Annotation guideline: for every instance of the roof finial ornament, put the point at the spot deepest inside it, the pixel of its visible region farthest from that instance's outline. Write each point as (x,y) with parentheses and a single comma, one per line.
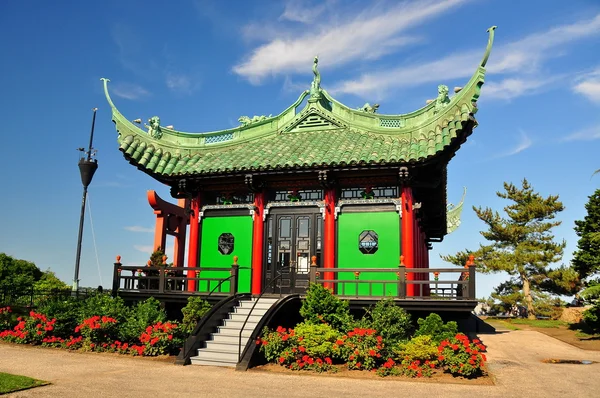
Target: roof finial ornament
(488,49)
(315,87)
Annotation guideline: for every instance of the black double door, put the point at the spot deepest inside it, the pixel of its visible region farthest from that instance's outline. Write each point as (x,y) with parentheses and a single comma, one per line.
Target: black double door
(292,240)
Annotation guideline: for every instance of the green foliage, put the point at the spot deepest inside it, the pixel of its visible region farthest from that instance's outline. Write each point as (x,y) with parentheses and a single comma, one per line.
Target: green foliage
(563,280)
(592,292)
(586,259)
(17,275)
(434,327)
(507,295)
(65,310)
(547,306)
(11,383)
(521,243)
(462,357)
(321,305)
(192,313)
(393,323)
(317,339)
(156,258)
(591,317)
(362,349)
(420,348)
(48,282)
(104,304)
(144,313)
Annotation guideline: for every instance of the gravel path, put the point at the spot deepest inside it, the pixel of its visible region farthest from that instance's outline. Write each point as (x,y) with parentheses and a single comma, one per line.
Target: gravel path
(514,360)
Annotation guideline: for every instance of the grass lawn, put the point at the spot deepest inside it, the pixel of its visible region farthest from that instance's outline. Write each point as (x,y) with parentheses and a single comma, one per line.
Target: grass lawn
(538,323)
(12,383)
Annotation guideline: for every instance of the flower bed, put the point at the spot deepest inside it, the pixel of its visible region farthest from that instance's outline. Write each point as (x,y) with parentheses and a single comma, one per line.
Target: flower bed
(382,342)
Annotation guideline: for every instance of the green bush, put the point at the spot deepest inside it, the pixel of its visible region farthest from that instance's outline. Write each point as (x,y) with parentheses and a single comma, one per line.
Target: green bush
(420,348)
(66,312)
(194,310)
(104,305)
(591,317)
(143,314)
(390,321)
(436,328)
(318,340)
(321,306)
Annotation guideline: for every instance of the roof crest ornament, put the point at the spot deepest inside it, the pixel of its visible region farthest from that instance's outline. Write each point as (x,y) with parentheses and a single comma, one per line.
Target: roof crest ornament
(488,49)
(154,129)
(315,87)
(368,108)
(246,120)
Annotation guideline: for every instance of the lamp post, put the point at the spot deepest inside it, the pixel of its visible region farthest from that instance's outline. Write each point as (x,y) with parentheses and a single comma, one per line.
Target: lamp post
(87,168)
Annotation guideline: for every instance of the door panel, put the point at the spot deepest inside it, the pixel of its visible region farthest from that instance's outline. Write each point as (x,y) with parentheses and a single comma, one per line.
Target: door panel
(292,239)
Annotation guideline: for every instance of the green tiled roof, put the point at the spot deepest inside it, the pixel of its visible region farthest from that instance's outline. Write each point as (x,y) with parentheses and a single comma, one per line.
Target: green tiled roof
(324,134)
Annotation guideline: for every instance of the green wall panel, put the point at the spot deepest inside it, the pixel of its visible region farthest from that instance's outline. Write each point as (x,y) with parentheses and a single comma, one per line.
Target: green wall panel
(241,229)
(387,227)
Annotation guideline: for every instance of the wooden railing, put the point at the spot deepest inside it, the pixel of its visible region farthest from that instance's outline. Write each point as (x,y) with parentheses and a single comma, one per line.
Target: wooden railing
(381,282)
(164,279)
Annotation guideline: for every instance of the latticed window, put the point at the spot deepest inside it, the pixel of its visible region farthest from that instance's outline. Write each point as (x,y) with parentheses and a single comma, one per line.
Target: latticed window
(366,193)
(226,241)
(299,195)
(368,242)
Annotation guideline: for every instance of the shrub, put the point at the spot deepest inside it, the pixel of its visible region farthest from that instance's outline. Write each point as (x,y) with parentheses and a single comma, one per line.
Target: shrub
(436,328)
(591,317)
(148,312)
(461,357)
(5,318)
(419,348)
(29,330)
(66,312)
(97,330)
(321,306)
(361,349)
(158,339)
(104,305)
(390,321)
(194,310)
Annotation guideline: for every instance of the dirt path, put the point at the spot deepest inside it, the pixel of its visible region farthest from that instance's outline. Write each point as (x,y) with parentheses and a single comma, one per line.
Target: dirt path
(514,359)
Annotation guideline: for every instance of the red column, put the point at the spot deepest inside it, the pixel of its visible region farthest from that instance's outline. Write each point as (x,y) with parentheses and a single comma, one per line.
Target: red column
(160,235)
(179,247)
(408,237)
(193,245)
(329,235)
(258,243)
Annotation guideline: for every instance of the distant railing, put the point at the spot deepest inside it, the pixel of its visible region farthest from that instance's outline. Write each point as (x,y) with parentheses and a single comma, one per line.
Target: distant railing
(424,283)
(165,279)
(32,297)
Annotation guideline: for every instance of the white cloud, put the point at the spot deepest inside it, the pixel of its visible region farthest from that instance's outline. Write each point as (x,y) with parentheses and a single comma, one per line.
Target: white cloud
(144,248)
(519,59)
(303,12)
(588,134)
(524,143)
(137,228)
(129,91)
(589,86)
(342,42)
(179,83)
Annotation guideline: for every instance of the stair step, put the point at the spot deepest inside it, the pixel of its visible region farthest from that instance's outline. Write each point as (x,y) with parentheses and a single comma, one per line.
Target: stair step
(224,331)
(209,362)
(225,347)
(253,318)
(238,324)
(246,310)
(221,338)
(259,305)
(210,355)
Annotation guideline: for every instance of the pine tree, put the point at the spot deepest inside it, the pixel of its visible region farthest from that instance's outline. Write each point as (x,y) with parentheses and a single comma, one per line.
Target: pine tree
(521,242)
(586,259)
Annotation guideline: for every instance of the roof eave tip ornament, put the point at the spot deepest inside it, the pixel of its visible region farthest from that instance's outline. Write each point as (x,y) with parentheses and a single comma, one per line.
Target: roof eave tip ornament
(105,80)
(488,49)
(315,87)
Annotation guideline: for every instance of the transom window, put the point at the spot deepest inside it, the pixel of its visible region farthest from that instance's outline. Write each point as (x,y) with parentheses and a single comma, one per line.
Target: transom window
(299,195)
(369,193)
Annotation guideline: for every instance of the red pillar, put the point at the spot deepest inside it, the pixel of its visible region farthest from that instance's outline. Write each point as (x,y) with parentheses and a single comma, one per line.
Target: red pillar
(258,243)
(329,235)
(408,237)
(179,247)
(193,245)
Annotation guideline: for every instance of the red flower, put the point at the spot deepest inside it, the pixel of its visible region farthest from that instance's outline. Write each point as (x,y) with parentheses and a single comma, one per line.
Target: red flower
(372,353)
(285,337)
(281,360)
(339,342)
(328,360)
(441,358)
(301,349)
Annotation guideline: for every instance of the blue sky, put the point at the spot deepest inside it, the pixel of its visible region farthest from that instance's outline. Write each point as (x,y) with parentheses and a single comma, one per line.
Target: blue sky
(200,65)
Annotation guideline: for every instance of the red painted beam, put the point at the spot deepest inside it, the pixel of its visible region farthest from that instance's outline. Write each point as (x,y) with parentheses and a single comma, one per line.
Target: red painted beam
(329,235)
(258,243)
(193,260)
(408,237)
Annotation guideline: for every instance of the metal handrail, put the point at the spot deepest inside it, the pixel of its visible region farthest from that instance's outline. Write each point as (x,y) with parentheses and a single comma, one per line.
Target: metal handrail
(218,284)
(278,276)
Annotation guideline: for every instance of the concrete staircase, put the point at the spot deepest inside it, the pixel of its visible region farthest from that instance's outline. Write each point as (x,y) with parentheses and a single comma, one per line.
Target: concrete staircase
(223,347)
